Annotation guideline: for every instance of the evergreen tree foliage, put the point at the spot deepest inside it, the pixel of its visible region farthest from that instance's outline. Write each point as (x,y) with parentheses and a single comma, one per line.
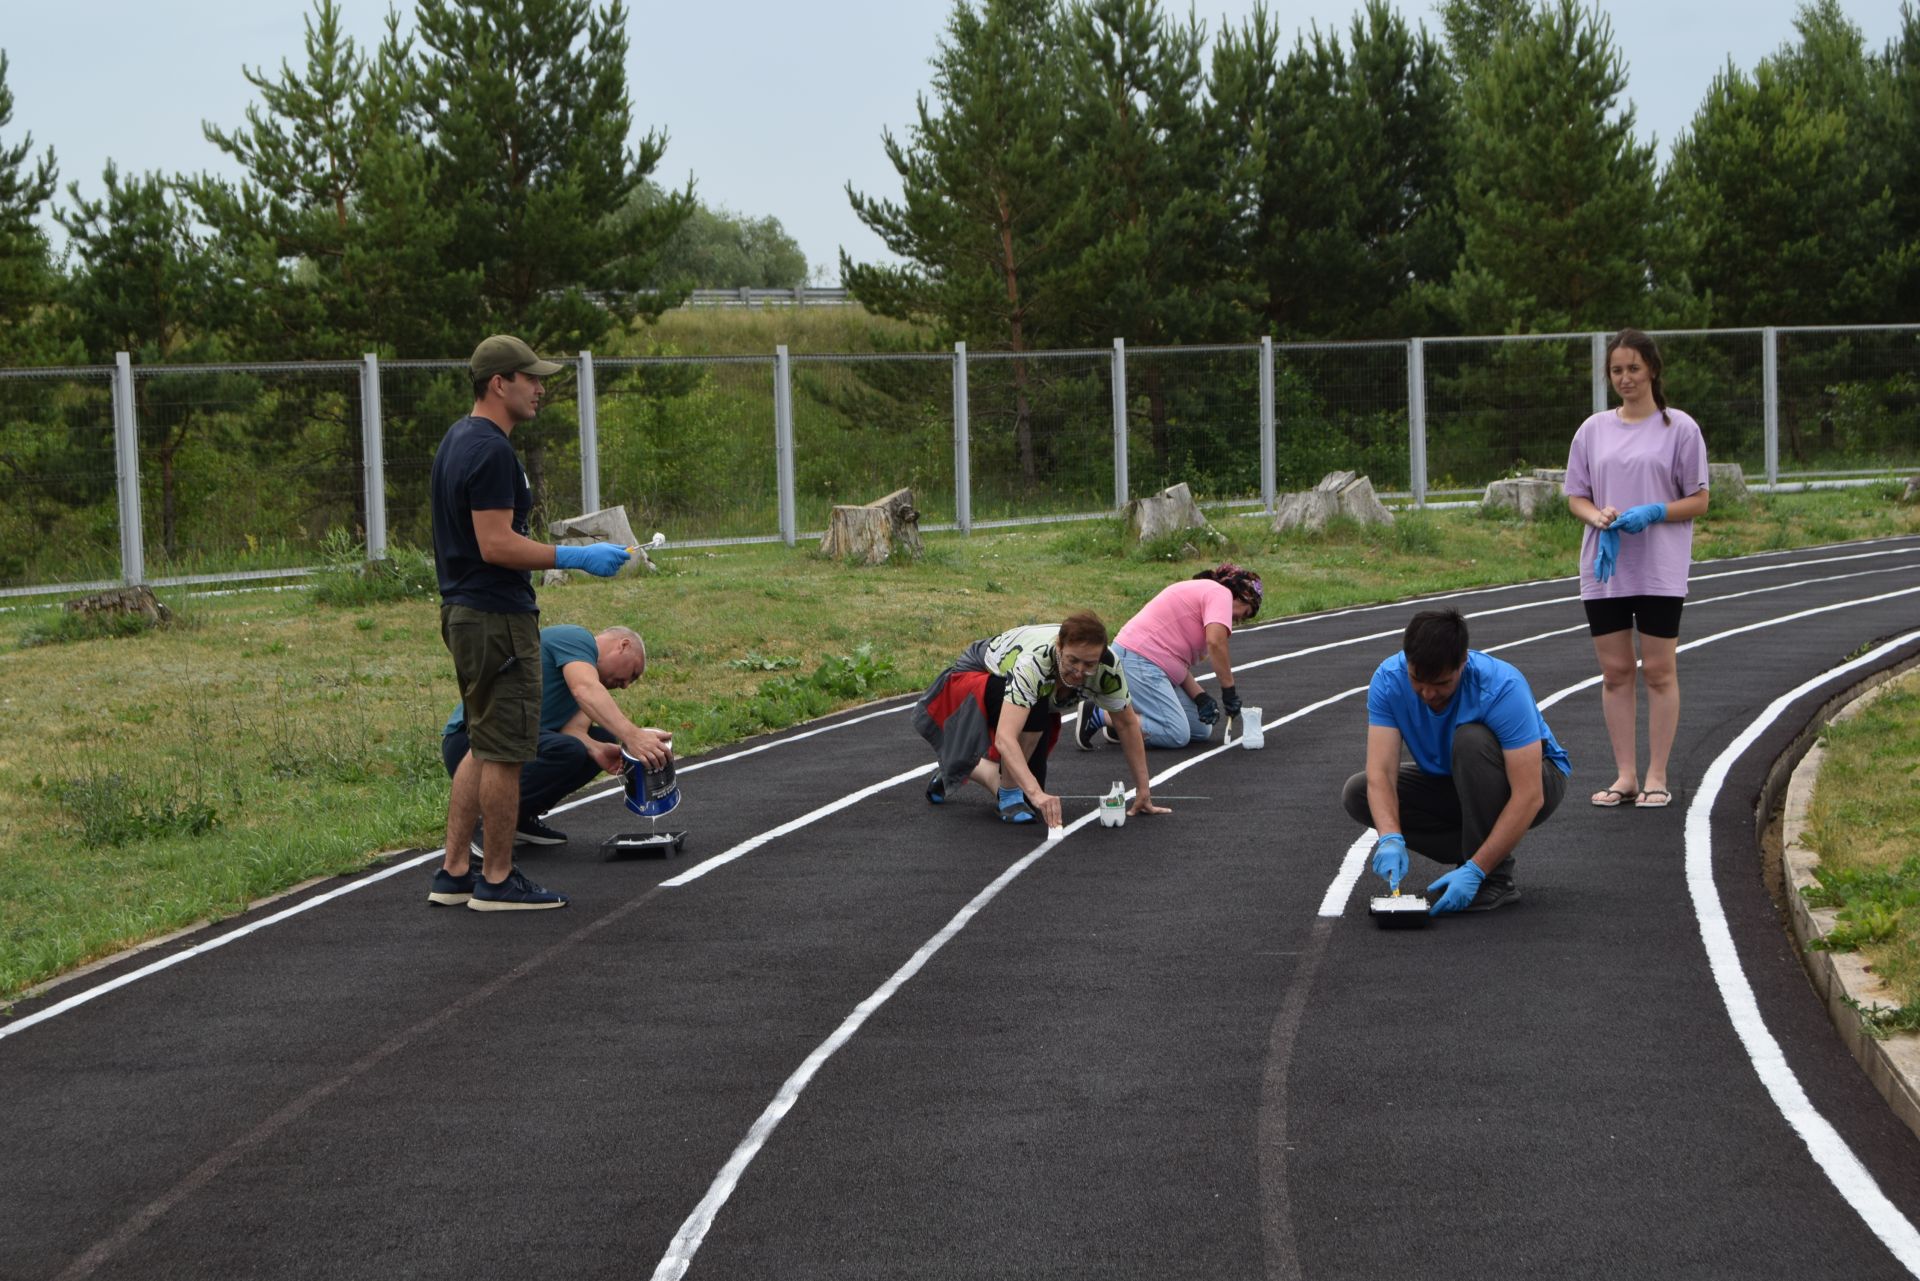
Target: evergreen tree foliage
(1475,28)
(26,274)
(333,226)
(1349,207)
(1555,195)
(1784,186)
(524,108)
(716,248)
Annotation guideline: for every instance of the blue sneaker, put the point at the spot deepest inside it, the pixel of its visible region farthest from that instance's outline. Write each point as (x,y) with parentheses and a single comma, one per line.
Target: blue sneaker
(449,890)
(1091,719)
(515,894)
(937,790)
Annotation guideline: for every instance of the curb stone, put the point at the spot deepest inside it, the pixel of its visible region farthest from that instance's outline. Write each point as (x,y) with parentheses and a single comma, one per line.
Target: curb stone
(1893,1065)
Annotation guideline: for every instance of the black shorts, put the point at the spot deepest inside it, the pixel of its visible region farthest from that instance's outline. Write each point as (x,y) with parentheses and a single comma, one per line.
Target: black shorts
(1655,615)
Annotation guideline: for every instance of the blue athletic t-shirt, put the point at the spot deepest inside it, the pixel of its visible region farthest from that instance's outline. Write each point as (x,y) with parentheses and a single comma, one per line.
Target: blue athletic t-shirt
(1491,693)
(475,469)
(560,644)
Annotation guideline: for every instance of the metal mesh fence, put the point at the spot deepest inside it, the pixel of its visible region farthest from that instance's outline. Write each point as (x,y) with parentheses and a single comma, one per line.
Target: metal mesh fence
(866,426)
(60,522)
(1340,406)
(687,445)
(1849,399)
(1041,429)
(1193,415)
(1717,379)
(1499,407)
(247,467)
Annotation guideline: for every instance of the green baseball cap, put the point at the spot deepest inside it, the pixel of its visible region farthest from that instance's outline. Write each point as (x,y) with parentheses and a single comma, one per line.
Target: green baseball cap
(505,354)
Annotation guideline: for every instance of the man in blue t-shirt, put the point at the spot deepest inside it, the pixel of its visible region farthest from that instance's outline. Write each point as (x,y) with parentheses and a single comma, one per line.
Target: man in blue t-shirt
(1485,766)
(582,730)
(489,621)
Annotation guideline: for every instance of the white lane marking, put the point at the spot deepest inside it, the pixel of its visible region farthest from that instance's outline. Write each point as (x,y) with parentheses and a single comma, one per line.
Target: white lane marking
(1342,877)
(686,1242)
(1835,1158)
(753,843)
(1352,863)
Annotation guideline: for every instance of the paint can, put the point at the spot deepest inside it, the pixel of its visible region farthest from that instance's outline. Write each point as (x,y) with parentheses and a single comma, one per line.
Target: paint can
(651,793)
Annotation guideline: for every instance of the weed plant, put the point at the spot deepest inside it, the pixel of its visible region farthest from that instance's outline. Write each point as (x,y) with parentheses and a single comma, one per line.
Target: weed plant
(181,777)
(347,579)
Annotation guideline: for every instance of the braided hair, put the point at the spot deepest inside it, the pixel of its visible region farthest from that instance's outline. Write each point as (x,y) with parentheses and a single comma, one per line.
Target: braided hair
(1640,342)
(1243,583)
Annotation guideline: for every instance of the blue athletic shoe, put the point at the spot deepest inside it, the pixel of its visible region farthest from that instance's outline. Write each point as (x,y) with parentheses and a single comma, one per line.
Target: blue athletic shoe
(515,894)
(937,790)
(1091,719)
(449,890)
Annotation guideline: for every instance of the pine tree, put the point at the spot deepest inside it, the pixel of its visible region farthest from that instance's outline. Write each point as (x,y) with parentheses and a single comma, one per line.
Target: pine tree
(987,214)
(524,107)
(26,275)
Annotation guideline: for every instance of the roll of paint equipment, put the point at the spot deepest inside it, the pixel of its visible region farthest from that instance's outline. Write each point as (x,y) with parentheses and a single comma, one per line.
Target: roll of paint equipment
(651,793)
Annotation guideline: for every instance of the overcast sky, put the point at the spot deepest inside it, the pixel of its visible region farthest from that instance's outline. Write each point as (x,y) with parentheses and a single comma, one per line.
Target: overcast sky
(772,106)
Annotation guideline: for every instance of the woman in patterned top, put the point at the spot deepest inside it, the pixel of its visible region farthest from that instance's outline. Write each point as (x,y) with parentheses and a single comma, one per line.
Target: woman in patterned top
(994,716)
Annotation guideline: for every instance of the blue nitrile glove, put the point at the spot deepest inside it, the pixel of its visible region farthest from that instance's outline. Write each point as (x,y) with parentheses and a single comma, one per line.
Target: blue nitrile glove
(1606,550)
(1390,858)
(603,560)
(1230,699)
(1635,519)
(1208,710)
(1461,884)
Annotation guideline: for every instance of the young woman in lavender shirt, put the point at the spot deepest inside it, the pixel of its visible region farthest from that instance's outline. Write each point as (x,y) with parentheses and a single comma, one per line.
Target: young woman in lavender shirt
(1637,476)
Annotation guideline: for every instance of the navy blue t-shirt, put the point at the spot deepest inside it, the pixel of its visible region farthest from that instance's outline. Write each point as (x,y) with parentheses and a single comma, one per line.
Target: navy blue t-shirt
(475,469)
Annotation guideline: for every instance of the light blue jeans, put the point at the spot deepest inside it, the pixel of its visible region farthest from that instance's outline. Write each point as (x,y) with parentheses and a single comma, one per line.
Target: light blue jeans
(1168,717)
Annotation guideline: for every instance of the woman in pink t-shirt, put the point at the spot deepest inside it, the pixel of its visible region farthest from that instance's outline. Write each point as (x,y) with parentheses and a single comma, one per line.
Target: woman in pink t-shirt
(1159,646)
(1637,476)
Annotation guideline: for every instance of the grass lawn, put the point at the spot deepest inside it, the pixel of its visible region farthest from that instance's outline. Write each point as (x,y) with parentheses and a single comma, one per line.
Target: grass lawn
(172,776)
(1865,825)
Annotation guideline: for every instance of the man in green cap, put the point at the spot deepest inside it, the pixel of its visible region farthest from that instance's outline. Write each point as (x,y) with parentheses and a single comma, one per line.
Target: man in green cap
(489,621)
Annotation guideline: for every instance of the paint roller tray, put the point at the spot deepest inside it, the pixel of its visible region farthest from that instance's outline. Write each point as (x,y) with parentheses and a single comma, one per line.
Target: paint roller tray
(643,844)
(1398,911)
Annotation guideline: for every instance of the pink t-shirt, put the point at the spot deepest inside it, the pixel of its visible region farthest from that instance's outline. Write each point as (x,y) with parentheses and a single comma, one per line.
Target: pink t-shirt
(1170,631)
(1615,463)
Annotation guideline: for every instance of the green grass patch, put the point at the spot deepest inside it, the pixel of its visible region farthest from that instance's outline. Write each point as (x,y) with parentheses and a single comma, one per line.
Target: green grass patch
(1864,822)
(177,779)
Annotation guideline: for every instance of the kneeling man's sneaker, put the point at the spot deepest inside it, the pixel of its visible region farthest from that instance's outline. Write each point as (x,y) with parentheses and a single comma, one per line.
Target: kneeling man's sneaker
(1091,719)
(450,890)
(515,894)
(1493,894)
(531,831)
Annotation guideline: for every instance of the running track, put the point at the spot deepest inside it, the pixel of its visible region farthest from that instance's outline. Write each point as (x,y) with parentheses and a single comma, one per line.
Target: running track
(848,1035)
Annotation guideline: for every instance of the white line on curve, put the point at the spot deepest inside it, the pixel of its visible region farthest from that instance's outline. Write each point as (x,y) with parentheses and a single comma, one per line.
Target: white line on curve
(1828,1149)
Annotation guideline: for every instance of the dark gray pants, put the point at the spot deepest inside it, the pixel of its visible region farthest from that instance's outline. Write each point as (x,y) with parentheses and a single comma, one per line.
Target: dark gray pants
(1447,817)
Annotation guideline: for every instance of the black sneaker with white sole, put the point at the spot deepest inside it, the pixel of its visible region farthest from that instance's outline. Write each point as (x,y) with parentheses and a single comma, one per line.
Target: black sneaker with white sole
(515,894)
(1493,894)
(531,831)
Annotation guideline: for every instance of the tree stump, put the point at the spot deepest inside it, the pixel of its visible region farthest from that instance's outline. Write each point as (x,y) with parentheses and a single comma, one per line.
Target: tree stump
(137,599)
(1728,481)
(1171,509)
(1529,496)
(1912,491)
(872,533)
(1339,493)
(608,525)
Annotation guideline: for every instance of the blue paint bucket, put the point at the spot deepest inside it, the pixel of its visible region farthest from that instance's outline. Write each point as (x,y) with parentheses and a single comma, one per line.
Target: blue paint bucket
(651,793)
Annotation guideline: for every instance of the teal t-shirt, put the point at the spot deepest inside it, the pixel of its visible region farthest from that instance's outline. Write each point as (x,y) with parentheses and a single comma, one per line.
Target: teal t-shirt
(1491,693)
(560,644)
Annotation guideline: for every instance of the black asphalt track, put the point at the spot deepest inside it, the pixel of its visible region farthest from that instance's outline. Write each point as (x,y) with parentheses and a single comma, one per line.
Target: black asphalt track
(1145,1054)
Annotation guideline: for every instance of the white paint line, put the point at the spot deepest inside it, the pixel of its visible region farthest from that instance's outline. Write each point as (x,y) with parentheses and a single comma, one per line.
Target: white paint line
(1837,1160)
(686,1242)
(753,843)
(1352,863)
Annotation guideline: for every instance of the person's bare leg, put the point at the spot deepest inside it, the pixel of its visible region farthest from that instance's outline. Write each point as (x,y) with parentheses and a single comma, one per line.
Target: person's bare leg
(1029,739)
(1661,669)
(500,811)
(463,811)
(1615,652)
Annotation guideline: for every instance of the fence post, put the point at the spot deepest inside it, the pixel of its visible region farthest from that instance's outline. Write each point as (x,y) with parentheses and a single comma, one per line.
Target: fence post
(1599,373)
(962,459)
(1417,420)
(1770,390)
(783,441)
(126,453)
(589,436)
(1268,446)
(1120,490)
(373,474)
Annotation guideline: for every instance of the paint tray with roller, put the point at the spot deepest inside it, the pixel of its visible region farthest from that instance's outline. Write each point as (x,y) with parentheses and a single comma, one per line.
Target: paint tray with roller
(1397,911)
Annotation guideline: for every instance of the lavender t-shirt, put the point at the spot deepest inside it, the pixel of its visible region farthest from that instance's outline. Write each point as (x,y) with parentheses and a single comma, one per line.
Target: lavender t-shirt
(1615,463)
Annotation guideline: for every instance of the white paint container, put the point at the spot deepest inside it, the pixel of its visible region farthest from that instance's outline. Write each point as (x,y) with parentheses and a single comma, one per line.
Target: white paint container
(1113,807)
(1253,735)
